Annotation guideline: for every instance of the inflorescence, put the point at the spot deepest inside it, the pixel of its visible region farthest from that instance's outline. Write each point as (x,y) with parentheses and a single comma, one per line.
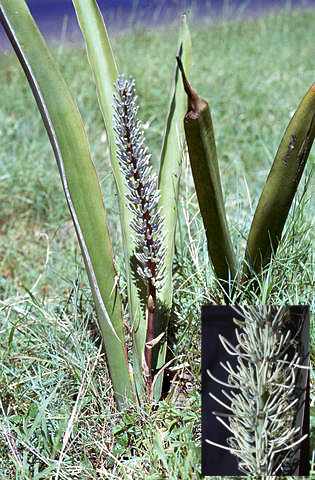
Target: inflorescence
(143,193)
(262,411)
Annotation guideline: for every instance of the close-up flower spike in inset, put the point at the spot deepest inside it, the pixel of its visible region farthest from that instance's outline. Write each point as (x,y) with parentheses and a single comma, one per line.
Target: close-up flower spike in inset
(143,197)
(263,410)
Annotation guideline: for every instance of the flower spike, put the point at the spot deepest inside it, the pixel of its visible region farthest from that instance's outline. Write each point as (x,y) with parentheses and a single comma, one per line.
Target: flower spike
(264,408)
(143,194)
(143,197)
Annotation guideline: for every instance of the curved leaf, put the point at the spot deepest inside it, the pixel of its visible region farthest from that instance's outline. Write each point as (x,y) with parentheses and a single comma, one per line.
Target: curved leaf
(169,178)
(68,139)
(205,169)
(105,73)
(281,185)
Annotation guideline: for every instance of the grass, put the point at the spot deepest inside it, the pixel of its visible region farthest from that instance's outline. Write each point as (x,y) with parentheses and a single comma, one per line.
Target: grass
(58,415)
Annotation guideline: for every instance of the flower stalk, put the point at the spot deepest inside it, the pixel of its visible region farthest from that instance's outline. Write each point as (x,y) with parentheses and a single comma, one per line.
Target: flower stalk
(143,198)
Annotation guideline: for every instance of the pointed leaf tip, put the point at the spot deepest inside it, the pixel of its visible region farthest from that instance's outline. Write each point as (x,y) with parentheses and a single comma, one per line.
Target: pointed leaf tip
(196,104)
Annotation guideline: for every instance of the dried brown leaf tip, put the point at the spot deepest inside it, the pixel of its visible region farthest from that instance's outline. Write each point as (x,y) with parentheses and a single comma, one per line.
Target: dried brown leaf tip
(196,104)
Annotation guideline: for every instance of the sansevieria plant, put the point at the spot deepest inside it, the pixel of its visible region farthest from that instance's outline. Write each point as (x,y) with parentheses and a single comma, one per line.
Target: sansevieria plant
(147,205)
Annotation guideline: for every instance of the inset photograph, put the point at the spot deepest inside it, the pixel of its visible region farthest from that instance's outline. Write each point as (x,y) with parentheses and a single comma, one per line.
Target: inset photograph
(255,390)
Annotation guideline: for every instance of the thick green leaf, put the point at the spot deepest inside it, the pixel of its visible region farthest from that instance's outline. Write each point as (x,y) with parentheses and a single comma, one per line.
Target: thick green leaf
(281,185)
(105,73)
(205,169)
(169,177)
(67,136)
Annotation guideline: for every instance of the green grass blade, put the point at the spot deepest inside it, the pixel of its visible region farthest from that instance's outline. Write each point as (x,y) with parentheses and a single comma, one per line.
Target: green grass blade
(281,185)
(205,169)
(67,136)
(105,73)
(169,176)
